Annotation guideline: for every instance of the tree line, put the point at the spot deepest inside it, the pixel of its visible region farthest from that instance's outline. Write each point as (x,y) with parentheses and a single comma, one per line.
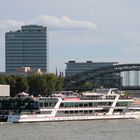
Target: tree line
(34,84)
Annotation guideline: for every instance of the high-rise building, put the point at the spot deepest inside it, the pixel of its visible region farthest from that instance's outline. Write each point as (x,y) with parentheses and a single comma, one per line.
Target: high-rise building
(26,48)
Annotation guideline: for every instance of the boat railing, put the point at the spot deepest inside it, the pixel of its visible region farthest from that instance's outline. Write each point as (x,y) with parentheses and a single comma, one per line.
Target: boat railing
(104,97)
(15,98)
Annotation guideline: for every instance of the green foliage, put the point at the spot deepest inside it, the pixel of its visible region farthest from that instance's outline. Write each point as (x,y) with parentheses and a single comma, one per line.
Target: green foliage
(51,82)
(59,84)
(35,84)
(126,93)
(44,84)
(11,80)
(88,84)
(21,85)
(3,79)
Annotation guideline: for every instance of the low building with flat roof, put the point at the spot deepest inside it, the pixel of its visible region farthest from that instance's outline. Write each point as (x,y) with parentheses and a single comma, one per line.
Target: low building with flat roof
(4,90)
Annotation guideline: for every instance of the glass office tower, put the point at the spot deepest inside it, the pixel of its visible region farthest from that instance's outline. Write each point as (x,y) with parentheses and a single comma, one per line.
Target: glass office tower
(26,48)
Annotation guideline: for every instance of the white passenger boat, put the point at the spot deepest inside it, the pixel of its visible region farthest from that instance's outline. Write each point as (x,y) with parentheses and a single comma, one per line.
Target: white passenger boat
(86,106)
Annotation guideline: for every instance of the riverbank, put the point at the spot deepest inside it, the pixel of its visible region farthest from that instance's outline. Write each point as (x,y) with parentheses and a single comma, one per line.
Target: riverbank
(136,101)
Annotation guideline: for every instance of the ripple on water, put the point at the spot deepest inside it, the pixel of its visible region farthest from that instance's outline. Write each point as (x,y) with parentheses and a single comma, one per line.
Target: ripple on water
(76,130)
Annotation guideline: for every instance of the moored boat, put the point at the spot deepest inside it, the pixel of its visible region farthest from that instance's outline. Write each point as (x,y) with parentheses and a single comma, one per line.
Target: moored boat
(71,107)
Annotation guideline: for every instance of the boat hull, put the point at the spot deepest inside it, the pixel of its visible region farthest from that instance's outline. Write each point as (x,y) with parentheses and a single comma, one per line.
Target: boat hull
(44,118)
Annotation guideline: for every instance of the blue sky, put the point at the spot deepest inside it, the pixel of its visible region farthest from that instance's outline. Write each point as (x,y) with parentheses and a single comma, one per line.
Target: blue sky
(81,30)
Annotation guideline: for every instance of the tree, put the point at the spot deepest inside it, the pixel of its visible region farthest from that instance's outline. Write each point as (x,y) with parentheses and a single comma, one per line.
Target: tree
(11,80)
(59,84)
(51,82)
(3,79)
(37,84)
(22,84)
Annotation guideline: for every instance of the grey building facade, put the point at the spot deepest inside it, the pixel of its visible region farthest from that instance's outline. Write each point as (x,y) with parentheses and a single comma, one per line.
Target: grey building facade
(108,80)
(26,48)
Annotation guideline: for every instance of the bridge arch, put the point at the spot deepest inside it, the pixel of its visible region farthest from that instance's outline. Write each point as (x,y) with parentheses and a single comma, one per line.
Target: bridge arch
(94,73)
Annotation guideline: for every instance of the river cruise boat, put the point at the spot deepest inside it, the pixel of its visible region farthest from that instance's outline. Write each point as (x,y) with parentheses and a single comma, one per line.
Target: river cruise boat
(69,106)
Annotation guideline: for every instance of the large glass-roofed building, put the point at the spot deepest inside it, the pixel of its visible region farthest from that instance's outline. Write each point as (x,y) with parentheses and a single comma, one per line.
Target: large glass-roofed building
(107,80)
(26,48)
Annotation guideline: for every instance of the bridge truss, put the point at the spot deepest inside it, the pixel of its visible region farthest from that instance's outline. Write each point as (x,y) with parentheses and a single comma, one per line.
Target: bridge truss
(76,80)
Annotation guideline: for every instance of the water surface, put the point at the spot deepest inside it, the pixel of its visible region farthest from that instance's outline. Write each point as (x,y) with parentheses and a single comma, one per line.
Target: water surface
(72,130)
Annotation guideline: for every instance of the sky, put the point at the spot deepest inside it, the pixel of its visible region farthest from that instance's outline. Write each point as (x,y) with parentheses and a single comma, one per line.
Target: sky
(80,30)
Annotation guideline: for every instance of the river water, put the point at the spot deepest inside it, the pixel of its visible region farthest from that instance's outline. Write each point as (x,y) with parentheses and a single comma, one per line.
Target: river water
(72,130)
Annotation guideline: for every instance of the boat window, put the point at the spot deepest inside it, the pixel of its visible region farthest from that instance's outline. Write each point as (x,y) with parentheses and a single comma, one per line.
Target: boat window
(76,104)
(85,111)
(90,111)
(85,104)
(81,105)
(35,105)
(66,112)
(90,104)
(59,112)
(66,105)
(51,104)
(71,105)
(62,105)
(95,104)
(46,104)
(81,112)
(102,103)
(71,112)
(46,112)
(122,104)
(40,104)
(76,112)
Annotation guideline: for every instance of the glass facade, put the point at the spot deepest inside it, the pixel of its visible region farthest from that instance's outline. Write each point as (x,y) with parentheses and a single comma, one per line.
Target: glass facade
(107,80)
(26,48)
(73,67)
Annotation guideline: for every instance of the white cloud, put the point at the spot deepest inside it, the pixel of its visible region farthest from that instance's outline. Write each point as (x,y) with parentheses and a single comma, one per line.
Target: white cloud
(4,24)
(14,23)
(66,23)
(52,22)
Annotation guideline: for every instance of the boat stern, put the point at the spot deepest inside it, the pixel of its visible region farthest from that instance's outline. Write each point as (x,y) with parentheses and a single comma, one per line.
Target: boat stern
(13,118)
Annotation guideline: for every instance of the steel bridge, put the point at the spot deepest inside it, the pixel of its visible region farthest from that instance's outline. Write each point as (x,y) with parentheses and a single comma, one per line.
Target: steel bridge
(72,82)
